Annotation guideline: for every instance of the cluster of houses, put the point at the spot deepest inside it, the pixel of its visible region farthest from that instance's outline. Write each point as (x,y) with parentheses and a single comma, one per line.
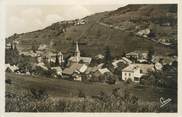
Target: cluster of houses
(78,66)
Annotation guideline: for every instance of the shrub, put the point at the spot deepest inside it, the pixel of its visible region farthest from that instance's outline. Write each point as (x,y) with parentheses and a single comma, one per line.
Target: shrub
(128,81)
(81,94)
(39,94)
(8,81)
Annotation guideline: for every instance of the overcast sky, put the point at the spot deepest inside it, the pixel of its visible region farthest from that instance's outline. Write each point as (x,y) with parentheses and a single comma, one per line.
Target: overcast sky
(26,18)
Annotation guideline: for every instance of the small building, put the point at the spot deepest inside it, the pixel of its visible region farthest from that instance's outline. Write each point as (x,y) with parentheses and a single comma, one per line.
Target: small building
(39,59)
(28,53)
(132,55)
(158,66)
(58,70)
(144,33)
(139,55)
(60,58)
(104,70)
(42,65)
(8,45)
(42,47)
(13,68)
(99,56)
(123,60)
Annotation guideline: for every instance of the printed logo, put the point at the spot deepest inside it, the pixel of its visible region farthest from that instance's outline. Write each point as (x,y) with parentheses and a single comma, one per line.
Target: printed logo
(164,102)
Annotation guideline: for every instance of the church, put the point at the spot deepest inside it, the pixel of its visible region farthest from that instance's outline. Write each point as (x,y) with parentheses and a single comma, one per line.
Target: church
(78,59)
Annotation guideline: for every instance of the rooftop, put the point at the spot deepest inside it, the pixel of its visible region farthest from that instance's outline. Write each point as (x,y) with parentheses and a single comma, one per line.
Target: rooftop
(73,68)
(144,67)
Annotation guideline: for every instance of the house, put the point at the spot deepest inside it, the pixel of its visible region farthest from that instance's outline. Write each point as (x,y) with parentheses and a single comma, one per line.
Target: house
(132,55)
(139,55)
(75,67)
(58,70)
(42,47)
(126,60)
(164,60)
(78,59)
(99,56)
(144,33)
(28,53)
(104,70)
(60,58)
(158,66)
(77,77)
(50,57)
(42,65)
(8,46)
(80,21)
(123,60)
(13,68)
(94,69)
(136,71)
(39,59)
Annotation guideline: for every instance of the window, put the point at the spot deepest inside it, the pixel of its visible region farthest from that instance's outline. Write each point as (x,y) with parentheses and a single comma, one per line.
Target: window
(129,74)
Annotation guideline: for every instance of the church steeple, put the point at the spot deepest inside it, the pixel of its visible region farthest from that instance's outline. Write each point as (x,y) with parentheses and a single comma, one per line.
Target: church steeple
(77,52)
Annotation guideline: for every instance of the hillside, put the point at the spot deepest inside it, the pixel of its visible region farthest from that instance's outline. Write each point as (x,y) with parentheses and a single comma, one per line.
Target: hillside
(116,29)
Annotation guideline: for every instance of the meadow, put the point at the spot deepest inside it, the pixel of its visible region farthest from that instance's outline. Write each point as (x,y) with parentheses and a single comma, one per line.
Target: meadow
(41,94)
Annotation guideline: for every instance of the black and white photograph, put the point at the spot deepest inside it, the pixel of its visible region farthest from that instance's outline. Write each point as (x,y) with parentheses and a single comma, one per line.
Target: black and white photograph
(91,58)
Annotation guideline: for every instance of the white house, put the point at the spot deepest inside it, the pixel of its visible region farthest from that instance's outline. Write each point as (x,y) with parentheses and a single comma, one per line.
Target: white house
(136,71)
(131,72)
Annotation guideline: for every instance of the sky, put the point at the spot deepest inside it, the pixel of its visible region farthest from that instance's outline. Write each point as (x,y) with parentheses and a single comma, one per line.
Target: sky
(26,18)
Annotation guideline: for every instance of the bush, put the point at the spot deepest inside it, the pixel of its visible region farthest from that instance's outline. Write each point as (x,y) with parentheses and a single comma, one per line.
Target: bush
(81,94)
(39,94)
(8,81)
(128,81)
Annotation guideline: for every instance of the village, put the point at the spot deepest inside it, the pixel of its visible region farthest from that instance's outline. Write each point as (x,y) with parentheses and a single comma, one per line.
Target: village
(129,67)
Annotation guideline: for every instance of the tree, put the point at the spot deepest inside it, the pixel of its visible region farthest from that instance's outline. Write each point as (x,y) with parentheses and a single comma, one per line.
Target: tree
(57,60)
(151,52)
(108,57)
(34,47)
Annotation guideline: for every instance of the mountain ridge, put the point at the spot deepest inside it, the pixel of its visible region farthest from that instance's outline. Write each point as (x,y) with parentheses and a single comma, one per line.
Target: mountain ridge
(116,29)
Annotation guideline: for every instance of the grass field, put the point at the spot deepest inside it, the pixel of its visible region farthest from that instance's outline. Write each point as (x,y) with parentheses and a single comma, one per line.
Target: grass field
(63,89)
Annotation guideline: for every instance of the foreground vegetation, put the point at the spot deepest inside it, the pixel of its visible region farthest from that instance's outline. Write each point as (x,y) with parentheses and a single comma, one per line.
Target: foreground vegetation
(31,94)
